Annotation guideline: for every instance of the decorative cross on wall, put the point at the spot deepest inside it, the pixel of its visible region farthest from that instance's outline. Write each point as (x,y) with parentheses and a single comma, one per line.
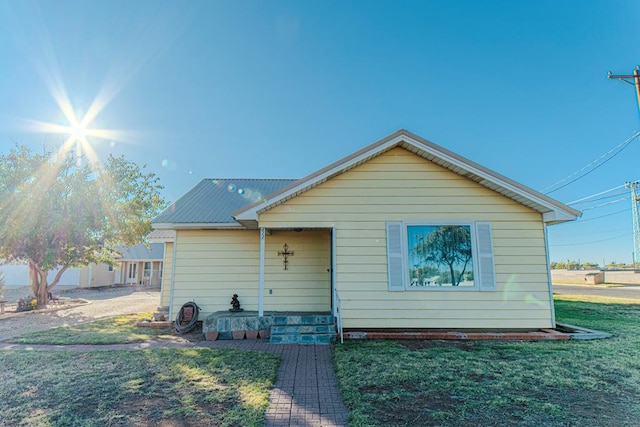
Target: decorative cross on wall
(286,254)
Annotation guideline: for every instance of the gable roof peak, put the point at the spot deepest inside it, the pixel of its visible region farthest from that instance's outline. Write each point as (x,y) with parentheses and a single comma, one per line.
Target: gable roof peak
(552,210)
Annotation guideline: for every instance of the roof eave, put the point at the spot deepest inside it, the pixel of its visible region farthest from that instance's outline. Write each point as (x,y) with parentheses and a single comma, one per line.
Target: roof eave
(168,238)
(197,226)
(558,217)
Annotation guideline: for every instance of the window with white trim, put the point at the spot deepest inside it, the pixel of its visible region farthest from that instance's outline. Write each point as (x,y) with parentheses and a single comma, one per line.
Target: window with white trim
(440,256)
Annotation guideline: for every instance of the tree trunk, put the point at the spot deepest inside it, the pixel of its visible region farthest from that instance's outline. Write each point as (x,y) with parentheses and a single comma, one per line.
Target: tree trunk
(38,279)
(453,276)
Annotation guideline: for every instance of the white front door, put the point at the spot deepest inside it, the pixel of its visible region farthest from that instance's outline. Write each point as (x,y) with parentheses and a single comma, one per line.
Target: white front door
(132,274)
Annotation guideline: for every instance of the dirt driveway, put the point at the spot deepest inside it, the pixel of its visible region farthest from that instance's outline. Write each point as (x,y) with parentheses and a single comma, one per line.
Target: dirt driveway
(102,303)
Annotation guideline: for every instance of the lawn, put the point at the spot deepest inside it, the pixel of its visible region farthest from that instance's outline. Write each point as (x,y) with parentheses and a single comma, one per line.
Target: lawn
(113,330)
(390,383)
(220,387)
(452,383)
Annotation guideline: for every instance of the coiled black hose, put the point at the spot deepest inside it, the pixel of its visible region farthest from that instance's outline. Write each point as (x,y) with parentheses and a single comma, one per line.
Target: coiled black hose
(179,325)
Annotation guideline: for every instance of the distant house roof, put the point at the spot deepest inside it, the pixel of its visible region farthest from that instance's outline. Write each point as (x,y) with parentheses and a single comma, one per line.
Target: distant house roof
(552,211)
(211,202)
(140,252)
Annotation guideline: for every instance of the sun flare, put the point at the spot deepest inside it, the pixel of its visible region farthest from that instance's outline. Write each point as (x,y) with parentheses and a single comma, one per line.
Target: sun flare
(78,134)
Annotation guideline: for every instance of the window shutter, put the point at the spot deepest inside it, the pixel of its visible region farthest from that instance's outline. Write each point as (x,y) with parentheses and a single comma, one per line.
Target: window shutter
(486,274)
(395,260)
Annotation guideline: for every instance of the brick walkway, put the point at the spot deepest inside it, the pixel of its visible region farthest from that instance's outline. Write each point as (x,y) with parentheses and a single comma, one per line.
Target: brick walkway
(306,390)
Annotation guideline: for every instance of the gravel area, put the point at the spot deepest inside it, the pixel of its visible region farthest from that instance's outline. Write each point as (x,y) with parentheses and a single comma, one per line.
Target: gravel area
(102,302)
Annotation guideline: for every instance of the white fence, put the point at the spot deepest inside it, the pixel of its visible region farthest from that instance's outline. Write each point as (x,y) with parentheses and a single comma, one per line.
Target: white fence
(18,275)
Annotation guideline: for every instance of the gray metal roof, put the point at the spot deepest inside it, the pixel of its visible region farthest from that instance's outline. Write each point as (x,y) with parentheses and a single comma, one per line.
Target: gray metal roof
(212,201)
(140,252)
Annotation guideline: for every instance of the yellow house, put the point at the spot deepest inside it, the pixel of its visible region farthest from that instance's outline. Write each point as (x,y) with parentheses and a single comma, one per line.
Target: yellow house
(401,234)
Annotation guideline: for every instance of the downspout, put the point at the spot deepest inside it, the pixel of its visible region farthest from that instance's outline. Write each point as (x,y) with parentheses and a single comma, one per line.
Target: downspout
(173,275)
(546,244)
(261,275)
(89,278)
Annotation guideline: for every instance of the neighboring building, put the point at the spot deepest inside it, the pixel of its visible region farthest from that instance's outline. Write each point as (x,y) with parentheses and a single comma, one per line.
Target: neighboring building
(141,265)
(404,233)
(96,275)
(18,275)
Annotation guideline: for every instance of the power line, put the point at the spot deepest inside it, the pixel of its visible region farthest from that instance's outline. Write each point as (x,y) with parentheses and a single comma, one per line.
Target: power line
(620,193)
(605,204)
(580,221)
(595,241)
(596,194)
(616,150)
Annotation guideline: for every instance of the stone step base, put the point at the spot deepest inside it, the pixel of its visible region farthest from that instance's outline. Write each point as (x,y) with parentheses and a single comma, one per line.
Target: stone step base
(303,319)
(302,339)
(303,329)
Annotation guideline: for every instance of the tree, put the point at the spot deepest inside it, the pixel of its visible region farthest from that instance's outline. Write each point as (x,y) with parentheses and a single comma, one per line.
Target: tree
(56,212)
(1,284)
(450,245)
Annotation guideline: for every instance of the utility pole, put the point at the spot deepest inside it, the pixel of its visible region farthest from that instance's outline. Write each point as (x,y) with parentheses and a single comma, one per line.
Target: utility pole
(635,199)
(633,185)
(623,78)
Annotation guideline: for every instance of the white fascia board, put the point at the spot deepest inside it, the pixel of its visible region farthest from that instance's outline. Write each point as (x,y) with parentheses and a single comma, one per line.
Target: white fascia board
(162,240)
(557,217)
(196,226)
(169,237)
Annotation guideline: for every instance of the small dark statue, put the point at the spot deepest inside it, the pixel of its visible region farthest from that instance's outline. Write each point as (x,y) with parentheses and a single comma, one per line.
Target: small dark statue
(236,304)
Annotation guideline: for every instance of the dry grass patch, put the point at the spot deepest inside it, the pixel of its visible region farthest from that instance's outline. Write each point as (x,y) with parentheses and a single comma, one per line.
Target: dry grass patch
(220,387)
(113,330)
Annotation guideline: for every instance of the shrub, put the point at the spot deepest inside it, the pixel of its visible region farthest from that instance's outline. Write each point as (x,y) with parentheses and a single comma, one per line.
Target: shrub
(27,304)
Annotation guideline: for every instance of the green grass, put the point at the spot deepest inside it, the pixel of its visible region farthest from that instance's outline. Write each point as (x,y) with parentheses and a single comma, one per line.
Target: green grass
(114,330)
(221,387)
(595,383)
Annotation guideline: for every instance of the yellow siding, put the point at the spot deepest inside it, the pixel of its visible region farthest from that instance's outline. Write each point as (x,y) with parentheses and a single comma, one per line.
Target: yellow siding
(95,275)
(167,265)
(306,284)
(212,265)
(400,186)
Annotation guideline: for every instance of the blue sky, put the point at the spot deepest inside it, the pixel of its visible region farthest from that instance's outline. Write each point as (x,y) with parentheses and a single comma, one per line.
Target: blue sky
(279,89)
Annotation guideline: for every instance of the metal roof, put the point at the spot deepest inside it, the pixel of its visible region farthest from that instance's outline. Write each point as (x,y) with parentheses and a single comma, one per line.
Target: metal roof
(211,202)
(140,252)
